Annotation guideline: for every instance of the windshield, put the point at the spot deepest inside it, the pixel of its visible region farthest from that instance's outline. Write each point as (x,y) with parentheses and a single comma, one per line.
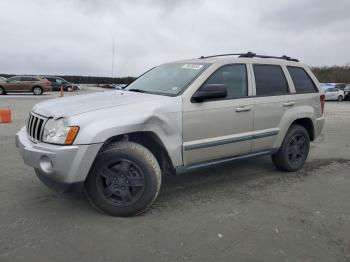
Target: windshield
(167,79)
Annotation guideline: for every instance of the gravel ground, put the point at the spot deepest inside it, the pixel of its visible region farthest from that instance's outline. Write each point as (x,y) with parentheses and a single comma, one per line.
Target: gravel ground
(243,211)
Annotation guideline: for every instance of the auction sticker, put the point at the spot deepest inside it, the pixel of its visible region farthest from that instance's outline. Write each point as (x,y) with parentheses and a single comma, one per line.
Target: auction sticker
(192,66)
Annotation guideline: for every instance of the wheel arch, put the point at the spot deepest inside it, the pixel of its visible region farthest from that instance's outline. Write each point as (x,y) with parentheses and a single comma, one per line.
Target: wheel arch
(152,142)
(308,124)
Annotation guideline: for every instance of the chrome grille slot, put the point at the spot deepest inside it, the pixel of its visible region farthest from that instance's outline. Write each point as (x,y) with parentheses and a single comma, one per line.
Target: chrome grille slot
(35,127)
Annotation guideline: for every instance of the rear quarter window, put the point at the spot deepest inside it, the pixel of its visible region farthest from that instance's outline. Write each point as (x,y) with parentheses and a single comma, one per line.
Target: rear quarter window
(301,79)
(270,80)
(28,78)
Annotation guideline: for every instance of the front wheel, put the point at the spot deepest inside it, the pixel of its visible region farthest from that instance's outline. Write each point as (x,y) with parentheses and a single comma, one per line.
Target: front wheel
(124,179)
(340,98)
(294,150)
(2,91)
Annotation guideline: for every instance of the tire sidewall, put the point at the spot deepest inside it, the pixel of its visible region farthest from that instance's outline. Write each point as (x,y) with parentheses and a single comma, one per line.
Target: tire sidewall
(151,186)
(282,159)
(2,91)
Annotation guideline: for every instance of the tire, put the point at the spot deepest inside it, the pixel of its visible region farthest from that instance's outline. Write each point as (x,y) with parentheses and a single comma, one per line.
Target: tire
(124,180)
(37,90)
(340,98)
(2,91)
(294,150)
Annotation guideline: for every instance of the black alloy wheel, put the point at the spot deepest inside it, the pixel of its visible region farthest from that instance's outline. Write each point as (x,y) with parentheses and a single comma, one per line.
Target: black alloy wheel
(297,149)
(121,182)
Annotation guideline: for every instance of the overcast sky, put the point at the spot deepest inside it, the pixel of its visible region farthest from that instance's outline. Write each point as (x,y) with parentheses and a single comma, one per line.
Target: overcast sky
(75,36)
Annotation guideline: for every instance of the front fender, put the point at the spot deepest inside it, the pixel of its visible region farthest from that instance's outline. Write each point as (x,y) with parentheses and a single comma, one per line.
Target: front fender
(164,120)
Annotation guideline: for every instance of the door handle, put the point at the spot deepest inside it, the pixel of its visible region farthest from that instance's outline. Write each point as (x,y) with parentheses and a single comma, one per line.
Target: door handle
(287,104)
(243,109)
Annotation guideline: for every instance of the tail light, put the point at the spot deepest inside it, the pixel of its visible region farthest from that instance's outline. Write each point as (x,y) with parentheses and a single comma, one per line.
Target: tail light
(46,82)
(323,101)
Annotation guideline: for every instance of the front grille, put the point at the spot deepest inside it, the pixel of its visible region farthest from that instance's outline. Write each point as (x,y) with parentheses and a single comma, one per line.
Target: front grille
(35,127)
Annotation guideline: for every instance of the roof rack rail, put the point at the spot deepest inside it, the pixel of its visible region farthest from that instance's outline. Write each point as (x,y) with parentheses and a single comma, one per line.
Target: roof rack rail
(251,55)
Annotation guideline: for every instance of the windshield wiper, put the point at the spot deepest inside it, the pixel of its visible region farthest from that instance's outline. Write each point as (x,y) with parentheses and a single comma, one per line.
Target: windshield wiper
(137,90)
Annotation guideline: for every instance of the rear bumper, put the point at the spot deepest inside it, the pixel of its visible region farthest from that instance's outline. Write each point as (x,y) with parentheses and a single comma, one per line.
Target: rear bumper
(319,125)
(59,167)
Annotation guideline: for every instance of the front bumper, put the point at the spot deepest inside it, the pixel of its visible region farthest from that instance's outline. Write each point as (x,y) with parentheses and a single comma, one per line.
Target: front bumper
(59,167)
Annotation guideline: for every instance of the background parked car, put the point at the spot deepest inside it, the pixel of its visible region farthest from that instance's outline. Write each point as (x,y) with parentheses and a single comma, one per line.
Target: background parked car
(112,86)
(105,86)
(334,94)
(325,86)
(37,85)
(347,92)
(3,79)
(340,86)
(57,82)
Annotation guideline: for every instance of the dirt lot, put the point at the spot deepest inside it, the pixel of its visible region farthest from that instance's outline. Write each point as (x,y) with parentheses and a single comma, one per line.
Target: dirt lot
(245,211)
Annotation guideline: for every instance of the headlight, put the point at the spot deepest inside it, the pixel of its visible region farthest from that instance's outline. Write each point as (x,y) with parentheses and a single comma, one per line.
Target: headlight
(58,132)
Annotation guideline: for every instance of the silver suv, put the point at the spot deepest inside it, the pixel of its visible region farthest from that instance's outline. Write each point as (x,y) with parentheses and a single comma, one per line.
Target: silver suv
(176,117)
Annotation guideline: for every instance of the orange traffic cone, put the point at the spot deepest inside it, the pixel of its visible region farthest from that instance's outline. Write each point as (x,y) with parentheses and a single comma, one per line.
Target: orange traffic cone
(61,92)
(5,116)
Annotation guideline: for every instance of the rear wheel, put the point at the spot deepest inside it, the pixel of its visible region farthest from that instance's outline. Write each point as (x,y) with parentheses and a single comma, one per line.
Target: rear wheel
(2,91)
(37,90)
(124,180)
(340,98)
(294,150)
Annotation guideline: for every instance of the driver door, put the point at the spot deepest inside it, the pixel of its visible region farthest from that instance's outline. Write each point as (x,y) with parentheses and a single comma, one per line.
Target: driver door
(219,128)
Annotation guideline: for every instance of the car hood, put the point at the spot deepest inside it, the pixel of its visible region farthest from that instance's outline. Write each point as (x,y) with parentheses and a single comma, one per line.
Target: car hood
(79,104)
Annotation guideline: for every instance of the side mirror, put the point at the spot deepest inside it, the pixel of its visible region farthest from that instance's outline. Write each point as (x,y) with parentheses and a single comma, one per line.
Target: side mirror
(210,91)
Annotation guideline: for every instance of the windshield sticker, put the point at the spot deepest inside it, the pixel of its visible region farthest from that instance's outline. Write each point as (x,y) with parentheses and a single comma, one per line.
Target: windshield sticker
(192,66)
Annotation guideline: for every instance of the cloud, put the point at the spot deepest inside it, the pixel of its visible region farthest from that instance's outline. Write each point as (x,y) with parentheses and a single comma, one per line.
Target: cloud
(76,36)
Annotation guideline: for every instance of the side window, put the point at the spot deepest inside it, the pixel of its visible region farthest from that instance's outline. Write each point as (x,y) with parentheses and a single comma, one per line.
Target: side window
(28,78)
(270,80)
(14,79)
(301,80)
(234,77)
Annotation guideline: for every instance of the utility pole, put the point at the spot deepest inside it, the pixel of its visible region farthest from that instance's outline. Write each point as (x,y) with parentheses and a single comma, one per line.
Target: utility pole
(113,59)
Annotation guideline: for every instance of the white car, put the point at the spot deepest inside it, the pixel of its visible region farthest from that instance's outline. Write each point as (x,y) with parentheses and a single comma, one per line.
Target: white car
(334,94)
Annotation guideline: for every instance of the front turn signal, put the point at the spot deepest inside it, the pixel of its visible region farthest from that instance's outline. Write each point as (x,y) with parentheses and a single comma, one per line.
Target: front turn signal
(72,133)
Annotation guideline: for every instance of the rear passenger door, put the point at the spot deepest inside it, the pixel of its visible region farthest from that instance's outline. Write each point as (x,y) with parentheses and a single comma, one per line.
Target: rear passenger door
(271,102)
(27,83)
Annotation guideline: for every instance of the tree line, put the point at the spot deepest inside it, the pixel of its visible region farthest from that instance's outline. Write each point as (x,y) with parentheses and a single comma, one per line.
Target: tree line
(325,74)
(332,74)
